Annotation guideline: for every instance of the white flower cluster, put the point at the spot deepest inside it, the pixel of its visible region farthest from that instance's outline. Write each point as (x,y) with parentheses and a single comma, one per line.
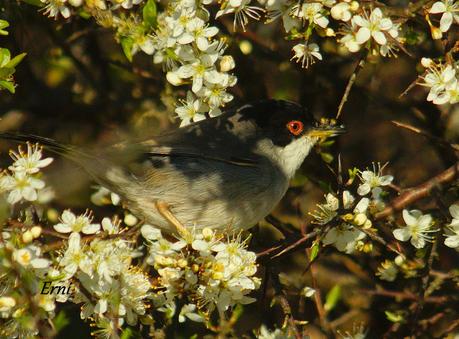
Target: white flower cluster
(442,80)
(110,288)
(449,10)
(23,180)
(210,273)
(362,26)
(346,236)
(186,46)
(65,7)
(373,30)
(22,265)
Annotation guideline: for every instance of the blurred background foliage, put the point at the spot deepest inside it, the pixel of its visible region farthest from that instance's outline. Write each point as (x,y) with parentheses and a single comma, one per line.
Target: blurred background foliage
(75,85)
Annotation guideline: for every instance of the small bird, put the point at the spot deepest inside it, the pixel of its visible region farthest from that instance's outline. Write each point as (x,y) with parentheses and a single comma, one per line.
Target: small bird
(226,173)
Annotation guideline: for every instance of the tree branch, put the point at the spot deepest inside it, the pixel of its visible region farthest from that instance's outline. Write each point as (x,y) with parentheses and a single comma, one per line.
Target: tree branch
(418,192)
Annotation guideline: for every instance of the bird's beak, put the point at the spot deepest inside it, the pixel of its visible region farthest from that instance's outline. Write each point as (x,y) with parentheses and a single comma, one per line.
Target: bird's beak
(326,128)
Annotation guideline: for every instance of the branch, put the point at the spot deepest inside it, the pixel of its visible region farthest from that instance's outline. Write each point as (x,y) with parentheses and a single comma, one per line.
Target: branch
(417,130)
(350,83)
(418,192)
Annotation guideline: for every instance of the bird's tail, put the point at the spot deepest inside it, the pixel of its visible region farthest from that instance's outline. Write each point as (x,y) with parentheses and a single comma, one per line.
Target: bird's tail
(70,152)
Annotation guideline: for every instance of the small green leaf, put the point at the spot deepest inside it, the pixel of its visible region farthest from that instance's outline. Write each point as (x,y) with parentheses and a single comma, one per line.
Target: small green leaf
(314,251)
(6,72)
(327,157)
(3,24)
(127,333)
(332,298)
(126,44)
(395,317)
(150,13)
(5,56)
(60,321)
(17,59)
(8,85)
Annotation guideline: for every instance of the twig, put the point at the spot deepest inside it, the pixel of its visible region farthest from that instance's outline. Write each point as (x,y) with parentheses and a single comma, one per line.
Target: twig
(418,192)
(405,296)
(417,130)
(282,297)
(350,83)
(318,299)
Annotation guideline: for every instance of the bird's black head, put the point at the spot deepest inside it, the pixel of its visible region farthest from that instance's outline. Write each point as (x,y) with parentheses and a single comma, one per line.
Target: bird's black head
(281,121)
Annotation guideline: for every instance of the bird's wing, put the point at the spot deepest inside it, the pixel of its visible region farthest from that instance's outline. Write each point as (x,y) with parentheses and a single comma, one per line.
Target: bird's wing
(214,140)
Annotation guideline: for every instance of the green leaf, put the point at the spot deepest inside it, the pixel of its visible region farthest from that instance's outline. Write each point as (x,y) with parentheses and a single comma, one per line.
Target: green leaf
(60,321)
(126,44)
(6,72)
(127,333)
(150,13)
(327,157)
(5,56)
(17,59)
(314,251)
(3,24)
(8,85)
(395,317)
(332,298)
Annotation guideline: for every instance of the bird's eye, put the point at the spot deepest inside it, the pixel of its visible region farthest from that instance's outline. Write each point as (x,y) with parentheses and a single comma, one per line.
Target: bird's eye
(295,127)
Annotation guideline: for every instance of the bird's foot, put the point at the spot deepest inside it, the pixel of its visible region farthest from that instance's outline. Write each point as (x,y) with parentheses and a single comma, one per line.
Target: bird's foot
(164,209)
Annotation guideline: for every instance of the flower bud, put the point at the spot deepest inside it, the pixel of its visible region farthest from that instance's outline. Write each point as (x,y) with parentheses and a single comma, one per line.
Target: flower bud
(174,79)
(36,231)
(348,217)
(207,233)
(427,62)
(130,220)
(227,63)
(76,3)
(360,219)
(182,263)
(195,268)
(245,47)
(27,237)
(367,224)
(329,32)
(436,33)
(6,303)
(354,6)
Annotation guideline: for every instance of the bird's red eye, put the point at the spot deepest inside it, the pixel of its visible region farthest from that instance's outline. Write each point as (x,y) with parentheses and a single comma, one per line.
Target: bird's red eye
(295,127)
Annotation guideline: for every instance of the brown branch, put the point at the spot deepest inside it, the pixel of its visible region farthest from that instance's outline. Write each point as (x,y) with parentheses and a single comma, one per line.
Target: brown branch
(413,194)
(406,296)
(434,138)
(350,83)
(281,295)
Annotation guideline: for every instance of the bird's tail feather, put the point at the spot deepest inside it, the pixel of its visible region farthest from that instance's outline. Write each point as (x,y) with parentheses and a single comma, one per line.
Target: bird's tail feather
(67,151)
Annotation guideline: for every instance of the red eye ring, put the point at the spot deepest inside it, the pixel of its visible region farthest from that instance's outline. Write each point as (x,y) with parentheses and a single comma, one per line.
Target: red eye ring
(295,127)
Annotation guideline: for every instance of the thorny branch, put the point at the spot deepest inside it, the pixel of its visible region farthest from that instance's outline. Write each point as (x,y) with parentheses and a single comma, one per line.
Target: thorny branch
(416,193)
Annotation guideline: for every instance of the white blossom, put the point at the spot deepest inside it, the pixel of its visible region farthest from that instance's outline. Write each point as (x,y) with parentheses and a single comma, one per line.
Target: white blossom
(452,239)
(373,179)
(306,53)
(72,223)
(418,226)
(450,13)
(21,186)
(30,162)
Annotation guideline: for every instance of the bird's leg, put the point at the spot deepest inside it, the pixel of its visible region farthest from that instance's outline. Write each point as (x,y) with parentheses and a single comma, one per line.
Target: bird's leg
(164,210)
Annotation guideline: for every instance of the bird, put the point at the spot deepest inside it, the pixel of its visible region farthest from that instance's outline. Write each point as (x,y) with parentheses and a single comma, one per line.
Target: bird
(224,173)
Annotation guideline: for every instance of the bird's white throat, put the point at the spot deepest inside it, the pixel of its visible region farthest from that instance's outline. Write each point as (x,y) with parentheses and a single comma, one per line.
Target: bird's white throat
(289,158)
